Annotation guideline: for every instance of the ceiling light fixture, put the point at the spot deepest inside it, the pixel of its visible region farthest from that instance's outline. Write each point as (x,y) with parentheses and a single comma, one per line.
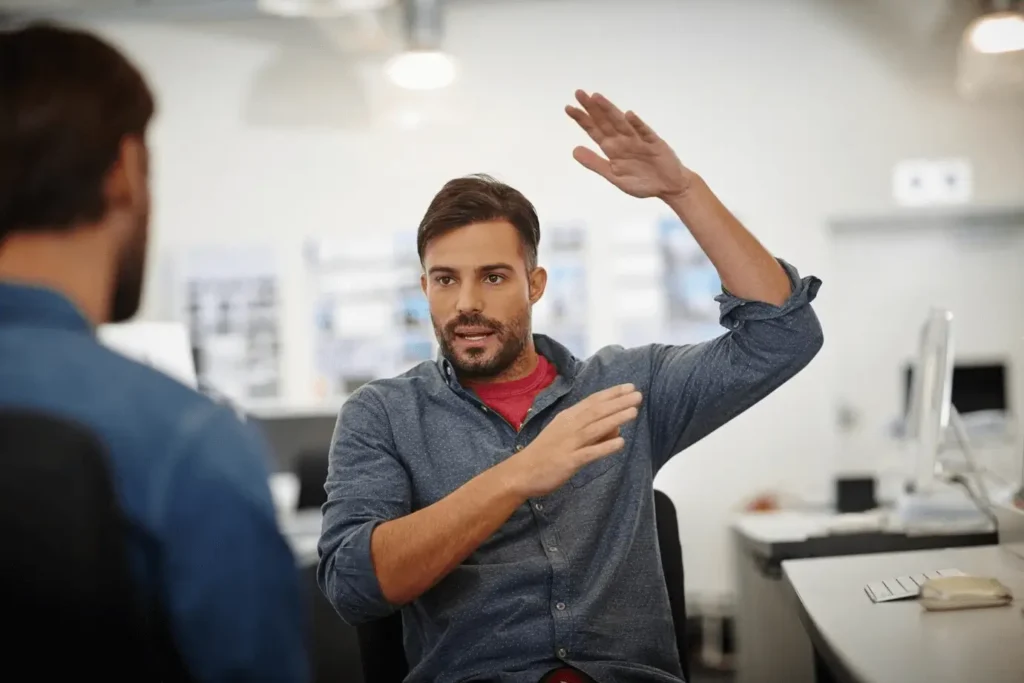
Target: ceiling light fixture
(320,8)
(421,70)
(423,65)
(997,32)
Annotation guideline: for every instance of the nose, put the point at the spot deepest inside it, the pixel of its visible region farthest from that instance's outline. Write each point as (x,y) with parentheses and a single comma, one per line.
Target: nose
(469,300)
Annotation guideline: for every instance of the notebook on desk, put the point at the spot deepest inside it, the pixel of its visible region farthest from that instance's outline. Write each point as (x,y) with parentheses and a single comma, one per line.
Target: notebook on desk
(904,587)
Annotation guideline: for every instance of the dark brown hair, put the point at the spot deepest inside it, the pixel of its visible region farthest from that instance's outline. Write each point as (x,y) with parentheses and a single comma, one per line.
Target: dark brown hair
(476,199)
(67,100)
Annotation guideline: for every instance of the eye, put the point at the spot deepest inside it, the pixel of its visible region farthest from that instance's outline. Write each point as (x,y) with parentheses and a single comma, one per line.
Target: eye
(444,280)
(494,279)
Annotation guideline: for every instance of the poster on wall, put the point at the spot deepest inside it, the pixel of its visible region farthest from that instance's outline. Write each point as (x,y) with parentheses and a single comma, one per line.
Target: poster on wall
(562,313)
(229,297)
(417,331)
(691,284)
(664,284)
(370,317)
(637,285)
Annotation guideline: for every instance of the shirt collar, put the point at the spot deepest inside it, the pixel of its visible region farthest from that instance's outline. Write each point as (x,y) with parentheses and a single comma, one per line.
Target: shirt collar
(24,304)
(558,355)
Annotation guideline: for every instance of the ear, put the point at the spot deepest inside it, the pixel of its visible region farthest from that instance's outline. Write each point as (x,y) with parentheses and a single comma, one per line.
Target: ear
(423,283)
(538,283)
(127,183)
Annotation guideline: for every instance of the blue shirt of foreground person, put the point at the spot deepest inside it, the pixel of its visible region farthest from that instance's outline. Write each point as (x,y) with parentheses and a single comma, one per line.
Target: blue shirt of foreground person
(518,545)
(190,478)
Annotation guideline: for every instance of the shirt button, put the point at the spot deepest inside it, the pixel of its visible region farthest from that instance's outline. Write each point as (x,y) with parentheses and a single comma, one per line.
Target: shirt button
(560,607)
(483,408)
(449,371)
(553,548)
(562,652)
(539,506)
(519,448)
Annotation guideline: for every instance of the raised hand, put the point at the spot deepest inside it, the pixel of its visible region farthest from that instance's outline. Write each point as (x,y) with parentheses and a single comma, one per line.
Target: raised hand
(586,432)
(638,161)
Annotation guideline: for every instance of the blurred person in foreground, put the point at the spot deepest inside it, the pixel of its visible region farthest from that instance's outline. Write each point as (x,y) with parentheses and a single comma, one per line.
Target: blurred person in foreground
(502,496)
(191,479)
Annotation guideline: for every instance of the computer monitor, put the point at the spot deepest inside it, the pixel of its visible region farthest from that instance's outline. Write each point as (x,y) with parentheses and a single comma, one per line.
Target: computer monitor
(931,393)
(977,387)
(164,346)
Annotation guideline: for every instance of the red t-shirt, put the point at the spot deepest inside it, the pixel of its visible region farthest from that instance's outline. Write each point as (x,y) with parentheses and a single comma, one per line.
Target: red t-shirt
(512,400)
(566,675)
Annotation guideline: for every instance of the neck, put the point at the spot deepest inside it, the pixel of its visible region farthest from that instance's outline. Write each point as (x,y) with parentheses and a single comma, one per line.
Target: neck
(75,263)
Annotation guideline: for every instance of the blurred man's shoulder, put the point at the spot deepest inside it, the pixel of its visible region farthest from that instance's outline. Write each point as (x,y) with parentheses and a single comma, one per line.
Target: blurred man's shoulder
(147,405)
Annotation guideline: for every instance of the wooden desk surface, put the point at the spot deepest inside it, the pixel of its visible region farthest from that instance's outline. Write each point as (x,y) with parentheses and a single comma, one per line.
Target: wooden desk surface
(899,642)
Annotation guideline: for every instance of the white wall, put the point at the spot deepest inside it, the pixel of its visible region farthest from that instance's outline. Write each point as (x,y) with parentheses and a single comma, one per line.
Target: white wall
(974,272)
(794,110)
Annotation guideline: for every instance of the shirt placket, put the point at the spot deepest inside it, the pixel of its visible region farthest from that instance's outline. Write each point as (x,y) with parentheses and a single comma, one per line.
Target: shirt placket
(558,598)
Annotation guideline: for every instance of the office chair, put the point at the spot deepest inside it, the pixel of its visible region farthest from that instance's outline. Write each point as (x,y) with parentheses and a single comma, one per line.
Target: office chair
(672,566)
(70,606)
(311,469)
(380,642)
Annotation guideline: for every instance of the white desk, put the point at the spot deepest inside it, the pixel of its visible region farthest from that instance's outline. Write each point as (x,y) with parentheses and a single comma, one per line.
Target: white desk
(771,644)
(858,641)
(302,531)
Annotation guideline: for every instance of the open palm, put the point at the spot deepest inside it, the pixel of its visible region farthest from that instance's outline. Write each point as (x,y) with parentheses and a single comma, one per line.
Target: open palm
(638,161)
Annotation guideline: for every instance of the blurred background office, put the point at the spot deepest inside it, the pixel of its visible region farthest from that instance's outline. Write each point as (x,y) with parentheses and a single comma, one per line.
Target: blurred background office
(878,144)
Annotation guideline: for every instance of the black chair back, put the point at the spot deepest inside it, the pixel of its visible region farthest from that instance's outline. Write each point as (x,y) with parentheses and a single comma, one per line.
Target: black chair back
(70,605)
(311,470)
(672,566)
(383,652)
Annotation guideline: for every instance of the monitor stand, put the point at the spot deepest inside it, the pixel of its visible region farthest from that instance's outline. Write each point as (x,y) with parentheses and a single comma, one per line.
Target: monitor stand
(1010,523)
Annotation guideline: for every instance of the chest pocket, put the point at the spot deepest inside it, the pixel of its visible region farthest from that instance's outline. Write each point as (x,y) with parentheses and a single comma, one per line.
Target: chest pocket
(606,466)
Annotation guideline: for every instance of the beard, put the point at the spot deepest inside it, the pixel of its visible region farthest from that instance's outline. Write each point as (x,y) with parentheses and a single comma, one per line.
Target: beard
(478,364)
(131,275)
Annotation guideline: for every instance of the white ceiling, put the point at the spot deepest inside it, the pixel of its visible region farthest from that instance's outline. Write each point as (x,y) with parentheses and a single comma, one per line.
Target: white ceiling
(144,9)
(110,4)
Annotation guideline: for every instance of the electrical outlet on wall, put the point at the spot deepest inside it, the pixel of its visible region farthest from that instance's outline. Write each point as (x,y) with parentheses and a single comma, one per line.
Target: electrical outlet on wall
(911,183)
(951,181)
(932,182)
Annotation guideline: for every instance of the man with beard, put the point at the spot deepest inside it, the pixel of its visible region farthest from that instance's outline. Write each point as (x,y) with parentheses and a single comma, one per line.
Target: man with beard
(502,496)
(190,479)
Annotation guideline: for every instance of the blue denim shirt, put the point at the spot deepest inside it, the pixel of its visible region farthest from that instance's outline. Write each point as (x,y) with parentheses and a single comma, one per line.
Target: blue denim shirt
(192,481)
(574,577)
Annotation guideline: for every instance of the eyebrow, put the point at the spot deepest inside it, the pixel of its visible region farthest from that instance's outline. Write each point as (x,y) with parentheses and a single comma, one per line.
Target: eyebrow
(489,268)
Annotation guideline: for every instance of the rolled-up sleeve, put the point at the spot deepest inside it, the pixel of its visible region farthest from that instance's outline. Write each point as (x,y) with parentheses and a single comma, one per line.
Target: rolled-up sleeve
(366,486)
(697,388)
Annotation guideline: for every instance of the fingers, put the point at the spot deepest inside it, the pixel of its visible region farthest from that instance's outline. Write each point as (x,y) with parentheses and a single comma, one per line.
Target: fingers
(605,115)
(586,123)
(605,427)
(645,132)
(601,450)
(609,393)
(614,114)
(597,408)
(596,114)
(600,404)
(631,400)
(593,161)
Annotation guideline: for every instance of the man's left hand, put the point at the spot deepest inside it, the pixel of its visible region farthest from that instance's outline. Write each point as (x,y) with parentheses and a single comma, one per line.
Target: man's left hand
(638,161)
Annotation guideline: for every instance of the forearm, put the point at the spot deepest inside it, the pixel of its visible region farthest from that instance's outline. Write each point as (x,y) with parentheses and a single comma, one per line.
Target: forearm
(746,268)
(412,553)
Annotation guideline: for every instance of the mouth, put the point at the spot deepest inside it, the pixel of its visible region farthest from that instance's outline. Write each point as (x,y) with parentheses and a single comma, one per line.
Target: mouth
(473,335)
